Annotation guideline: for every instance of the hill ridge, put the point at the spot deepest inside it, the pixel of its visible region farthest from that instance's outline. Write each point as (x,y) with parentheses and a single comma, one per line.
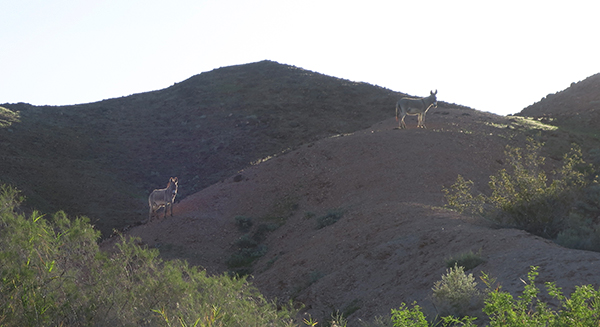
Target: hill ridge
(202,130)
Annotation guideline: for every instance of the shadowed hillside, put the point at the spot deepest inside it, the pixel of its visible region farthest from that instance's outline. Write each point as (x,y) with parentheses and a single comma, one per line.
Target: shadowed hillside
(102,159)
(344,214)
(577,106)
(355,223)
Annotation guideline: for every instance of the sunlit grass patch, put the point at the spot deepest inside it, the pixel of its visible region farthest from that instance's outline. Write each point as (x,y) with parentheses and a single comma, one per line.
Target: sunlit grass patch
(531,123)
(518,122)
(8,117)
(496,125)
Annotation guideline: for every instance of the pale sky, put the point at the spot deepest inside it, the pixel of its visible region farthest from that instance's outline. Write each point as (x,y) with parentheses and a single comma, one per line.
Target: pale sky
(497,56)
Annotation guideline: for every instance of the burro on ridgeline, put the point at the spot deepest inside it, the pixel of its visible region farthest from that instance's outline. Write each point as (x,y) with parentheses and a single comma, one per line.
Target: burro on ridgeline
(163,197)
(415,106)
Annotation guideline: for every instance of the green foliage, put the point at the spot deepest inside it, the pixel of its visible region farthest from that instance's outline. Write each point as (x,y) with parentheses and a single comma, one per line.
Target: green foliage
(53,274)
(522,196)
(407,317)
(503,310)
(460,197)
(456,293)
(581,229)
(582,309)
(336,320)
(8,117)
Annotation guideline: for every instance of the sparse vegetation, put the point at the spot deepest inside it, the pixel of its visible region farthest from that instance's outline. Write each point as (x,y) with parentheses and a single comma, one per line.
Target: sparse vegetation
(249,245)
(467,260)
(582,309)
(53,274)
(243,223)
(330,218)
(312,278)
(524,197)
(8,117)
(281,210)
(405,316)
(456,294)
(503,310)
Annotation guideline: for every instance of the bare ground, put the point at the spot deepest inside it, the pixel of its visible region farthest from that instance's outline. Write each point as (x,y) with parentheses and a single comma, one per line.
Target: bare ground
(394,236)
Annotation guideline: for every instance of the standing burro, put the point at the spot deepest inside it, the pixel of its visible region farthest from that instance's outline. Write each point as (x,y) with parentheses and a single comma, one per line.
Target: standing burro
(163,197)
(418,106)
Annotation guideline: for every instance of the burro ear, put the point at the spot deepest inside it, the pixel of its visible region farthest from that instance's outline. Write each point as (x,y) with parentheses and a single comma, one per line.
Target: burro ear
(433,93)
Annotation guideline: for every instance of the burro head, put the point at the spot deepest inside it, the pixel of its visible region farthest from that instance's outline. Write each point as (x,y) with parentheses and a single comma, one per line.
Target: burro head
(433,98)
(173,184)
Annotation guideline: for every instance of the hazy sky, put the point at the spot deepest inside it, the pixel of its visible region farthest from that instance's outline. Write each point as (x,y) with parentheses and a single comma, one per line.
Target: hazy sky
(497,56)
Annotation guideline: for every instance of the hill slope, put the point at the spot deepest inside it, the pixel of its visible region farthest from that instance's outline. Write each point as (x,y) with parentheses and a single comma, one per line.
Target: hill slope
(392,240)
(102,159)
(577,106)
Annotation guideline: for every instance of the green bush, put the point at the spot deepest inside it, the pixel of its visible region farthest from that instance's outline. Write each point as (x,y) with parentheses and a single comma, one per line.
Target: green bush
(581,229)
(582,309)
(407,317)
(456,293)
(522,195)
(53,274)
(503,310)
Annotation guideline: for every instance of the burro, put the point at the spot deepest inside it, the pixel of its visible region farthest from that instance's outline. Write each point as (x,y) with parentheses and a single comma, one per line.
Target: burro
(415,106)
(163,197)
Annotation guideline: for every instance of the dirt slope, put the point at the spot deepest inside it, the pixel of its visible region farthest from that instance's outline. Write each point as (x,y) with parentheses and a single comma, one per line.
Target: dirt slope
(577,106)
(391,242)
(102,159)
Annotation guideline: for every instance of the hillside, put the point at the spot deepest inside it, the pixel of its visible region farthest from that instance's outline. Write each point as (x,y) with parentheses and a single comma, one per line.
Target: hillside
(578,106)
(393,237)
(102,159)
(286,147)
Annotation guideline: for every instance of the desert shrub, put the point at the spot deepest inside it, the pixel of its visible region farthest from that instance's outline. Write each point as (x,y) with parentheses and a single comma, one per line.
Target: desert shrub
(246,241)
(582,308)
(245,256)
(409,317)
(336,320)
(456,293)
(581,229)
(243,223)
(53,274)
(249,249)
(460,197)
(330,218)
(468,260)
(8,117)
(522,196)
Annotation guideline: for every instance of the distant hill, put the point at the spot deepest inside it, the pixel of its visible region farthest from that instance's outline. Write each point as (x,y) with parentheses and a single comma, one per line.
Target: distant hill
(577,105)
(102,159)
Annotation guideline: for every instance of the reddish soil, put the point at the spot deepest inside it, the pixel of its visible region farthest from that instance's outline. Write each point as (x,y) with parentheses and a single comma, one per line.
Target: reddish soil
(392,241)
(337,150)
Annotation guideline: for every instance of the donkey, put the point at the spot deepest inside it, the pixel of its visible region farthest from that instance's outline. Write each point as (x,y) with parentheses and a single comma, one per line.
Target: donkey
(163,197)
(419,107)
